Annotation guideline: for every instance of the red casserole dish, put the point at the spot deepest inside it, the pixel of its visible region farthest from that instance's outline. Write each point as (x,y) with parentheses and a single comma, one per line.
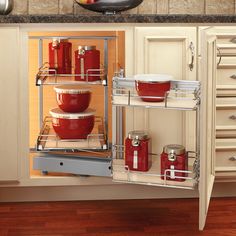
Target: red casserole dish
(73,98)
(153,86)
(72,125)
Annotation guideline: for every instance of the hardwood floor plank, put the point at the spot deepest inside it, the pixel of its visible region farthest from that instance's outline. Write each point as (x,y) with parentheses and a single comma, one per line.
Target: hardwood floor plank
(178,217)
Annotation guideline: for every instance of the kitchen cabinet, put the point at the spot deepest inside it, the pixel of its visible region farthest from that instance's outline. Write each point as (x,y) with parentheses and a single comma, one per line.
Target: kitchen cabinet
(142,50)
(9,92)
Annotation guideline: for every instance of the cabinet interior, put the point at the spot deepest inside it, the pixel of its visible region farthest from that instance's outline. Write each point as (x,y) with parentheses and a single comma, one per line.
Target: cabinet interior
(116,60)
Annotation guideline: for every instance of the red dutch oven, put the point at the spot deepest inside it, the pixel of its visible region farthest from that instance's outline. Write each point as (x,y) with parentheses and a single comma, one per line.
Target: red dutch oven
(73,98)
(153,86)
(72,125)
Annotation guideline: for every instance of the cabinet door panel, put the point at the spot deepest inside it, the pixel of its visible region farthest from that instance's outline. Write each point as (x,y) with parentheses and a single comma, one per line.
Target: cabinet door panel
(207,123)
(9,103)
(166,50)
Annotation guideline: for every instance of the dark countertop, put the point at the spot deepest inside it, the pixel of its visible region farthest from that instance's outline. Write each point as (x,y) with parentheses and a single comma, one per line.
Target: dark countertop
(119,18)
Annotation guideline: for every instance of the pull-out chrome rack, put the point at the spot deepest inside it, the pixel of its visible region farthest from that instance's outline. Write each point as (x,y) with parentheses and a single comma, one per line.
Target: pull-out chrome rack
(53,153)
(48,141)
(184,96)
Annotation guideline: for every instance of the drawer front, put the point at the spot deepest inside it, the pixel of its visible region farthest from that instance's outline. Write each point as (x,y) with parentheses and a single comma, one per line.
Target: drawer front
(226,91)
(226,118)
(226,76)
(225,133)
(226,39)
(226,160)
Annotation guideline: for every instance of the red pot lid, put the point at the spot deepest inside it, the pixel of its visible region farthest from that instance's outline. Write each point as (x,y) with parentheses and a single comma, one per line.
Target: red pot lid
(58,113)
(71,89)
(147,78)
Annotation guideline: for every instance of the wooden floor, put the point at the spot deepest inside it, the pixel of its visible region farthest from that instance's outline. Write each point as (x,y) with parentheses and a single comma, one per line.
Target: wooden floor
(138,217)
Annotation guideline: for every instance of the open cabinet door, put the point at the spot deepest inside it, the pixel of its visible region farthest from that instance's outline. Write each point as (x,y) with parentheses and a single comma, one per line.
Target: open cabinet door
(207,75)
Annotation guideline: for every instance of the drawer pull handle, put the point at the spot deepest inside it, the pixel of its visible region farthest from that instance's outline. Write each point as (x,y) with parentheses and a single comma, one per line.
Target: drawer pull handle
(233,40)
(192,49)
(232,158)
(233,76)
(233,117)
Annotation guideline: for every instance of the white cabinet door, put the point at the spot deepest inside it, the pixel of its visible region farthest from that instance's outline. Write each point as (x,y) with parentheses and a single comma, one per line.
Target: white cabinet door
(9,71)
(207,75)
(165,50)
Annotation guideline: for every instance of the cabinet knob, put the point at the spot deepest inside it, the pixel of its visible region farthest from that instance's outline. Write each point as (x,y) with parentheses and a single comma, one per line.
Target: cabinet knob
(233,117)
(233,76)
(232,158)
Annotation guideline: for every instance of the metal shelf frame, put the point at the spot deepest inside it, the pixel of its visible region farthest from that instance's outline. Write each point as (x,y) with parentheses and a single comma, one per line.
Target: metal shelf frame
(47,76)
(48,141)
(125,87)
(105,39)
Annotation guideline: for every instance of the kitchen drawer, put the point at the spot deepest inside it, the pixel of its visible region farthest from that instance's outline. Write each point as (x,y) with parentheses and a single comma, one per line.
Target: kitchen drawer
(221,132)
(225,155)
(226,117)
(226,91)
(226,39)
(226,76)
(226,102)
(226,54)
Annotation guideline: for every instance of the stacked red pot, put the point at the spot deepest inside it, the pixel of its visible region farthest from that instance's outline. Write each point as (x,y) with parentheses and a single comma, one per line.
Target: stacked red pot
(72,125)
(73,119)
(73,99)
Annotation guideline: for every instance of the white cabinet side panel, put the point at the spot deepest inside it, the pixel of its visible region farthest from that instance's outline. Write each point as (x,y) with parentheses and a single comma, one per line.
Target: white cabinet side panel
(9,55)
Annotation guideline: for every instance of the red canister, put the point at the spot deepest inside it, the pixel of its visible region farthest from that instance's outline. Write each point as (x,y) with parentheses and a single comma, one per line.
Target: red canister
(87,63)
(174,159)
(137,147)
(60,55)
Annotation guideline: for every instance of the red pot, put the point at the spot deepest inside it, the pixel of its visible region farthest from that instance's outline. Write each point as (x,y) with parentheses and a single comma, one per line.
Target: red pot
(72,126)
(87,58)
(60,56)
(73,98)
(153,86)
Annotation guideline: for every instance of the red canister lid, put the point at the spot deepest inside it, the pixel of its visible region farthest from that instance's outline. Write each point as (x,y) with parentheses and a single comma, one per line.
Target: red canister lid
(174,148)
(138,134)
(86,48)
(58,113)
(71,89)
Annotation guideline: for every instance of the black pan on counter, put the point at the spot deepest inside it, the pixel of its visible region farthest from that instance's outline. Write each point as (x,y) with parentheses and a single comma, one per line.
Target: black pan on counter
(111,6)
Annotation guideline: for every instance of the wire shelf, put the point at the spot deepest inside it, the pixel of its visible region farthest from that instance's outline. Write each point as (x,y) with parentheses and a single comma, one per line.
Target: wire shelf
(49,141)
(184,95)
(47,76)
(121,173)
